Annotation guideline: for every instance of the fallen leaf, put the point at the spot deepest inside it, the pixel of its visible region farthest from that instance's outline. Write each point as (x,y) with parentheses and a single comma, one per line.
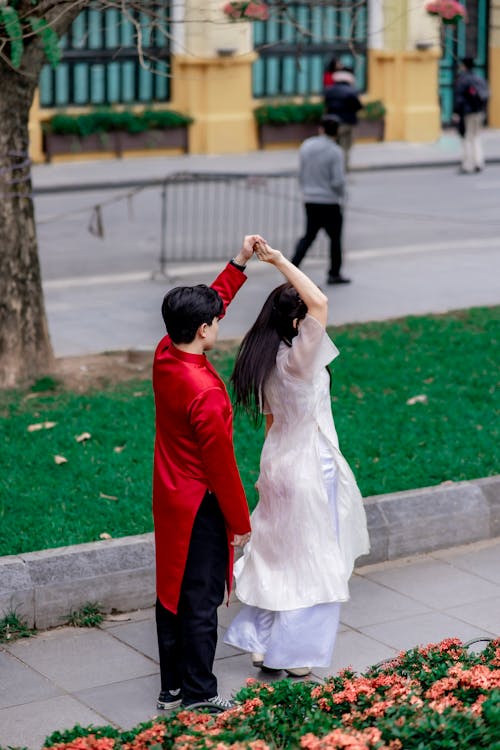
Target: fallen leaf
(105,535)
(60,460)
(41,426)
(84,436)
(107,497)
(119,448)
(420,399)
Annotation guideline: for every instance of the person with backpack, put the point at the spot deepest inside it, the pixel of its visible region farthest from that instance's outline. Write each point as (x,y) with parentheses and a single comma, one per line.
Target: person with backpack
(342,100)
(471,99)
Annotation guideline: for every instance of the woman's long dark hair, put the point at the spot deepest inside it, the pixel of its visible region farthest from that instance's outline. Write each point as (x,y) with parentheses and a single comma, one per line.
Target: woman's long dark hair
(257,353)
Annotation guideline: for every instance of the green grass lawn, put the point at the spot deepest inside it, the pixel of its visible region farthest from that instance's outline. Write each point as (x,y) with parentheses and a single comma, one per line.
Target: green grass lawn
(390,445)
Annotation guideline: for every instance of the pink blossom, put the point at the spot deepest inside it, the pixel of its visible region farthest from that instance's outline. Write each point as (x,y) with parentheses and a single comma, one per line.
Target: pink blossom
(251,9)
(448,10)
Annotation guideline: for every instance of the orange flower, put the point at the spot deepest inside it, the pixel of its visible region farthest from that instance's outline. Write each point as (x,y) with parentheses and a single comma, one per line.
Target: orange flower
(340,740)
(477,706)
(91,742)
(449,701)
(249,706)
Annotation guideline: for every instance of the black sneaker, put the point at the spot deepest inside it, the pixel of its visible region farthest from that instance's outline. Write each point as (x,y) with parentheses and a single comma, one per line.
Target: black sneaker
(169,699)
(338,280)
(221,702)
(218,703)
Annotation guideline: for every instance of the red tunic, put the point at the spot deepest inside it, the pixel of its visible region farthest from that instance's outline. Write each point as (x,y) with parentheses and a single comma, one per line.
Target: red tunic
(193,452)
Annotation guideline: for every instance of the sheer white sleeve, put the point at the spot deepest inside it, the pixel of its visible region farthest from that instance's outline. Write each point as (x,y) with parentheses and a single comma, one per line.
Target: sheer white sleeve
(311,350)
(264,405)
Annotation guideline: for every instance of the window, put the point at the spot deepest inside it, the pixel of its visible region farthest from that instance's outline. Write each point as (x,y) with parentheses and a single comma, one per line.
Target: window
(100,63)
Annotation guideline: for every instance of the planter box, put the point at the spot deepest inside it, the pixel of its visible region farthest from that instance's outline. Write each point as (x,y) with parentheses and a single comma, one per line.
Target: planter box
(296,132)
(291,132)
(115,142)
(373,129)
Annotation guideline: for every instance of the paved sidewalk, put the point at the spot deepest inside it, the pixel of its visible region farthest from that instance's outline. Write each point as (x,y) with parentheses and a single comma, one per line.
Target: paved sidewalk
(96,314)
(110,675)
(114,173)
(119,310)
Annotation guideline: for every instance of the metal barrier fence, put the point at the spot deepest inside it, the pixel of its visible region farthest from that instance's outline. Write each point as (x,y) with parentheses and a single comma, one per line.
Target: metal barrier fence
(204,215)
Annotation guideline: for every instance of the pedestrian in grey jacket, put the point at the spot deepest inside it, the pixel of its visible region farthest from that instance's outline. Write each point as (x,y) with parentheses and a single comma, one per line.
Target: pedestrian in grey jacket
(322,182)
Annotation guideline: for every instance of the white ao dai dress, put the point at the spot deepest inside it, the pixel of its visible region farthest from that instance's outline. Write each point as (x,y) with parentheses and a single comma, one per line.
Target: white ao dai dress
(309,525)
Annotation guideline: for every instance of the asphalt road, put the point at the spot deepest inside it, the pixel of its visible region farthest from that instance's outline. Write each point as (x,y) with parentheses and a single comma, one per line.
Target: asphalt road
(415,240)
(384,211)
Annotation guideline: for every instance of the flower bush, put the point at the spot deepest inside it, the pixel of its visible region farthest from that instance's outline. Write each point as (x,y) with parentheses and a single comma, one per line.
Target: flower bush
(450,11)
(434,697)
(246,11)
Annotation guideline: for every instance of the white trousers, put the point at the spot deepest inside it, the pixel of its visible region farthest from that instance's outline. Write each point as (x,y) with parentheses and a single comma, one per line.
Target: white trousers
(473,157)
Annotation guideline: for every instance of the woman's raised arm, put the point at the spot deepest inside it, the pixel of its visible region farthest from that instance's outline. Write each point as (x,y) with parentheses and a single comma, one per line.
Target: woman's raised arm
(311,295)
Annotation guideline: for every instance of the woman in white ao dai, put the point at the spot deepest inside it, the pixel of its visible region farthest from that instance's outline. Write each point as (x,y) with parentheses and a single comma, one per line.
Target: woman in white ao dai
(309,525)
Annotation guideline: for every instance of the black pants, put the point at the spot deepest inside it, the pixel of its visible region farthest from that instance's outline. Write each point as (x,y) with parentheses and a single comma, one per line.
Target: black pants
(187,640)
(327,216)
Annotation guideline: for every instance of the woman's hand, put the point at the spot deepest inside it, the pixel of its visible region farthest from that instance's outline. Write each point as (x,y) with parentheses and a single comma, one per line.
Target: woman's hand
(247,248)
(266,253)
(240,540)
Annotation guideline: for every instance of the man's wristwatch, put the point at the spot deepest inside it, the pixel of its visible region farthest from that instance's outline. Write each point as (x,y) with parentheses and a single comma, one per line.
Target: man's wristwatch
(237,265)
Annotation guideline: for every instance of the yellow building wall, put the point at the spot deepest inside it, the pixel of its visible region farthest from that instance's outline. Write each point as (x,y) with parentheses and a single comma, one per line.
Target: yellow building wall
(212,78)
(494,66)
(406,81)
(217,93)
(404,77)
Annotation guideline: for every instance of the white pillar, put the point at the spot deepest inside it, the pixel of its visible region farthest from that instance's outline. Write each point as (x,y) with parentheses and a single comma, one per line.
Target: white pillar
(375,24)
(177,30)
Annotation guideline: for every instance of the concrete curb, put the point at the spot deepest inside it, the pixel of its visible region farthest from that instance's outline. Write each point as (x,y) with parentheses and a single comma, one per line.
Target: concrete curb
(44,587)
(125,184)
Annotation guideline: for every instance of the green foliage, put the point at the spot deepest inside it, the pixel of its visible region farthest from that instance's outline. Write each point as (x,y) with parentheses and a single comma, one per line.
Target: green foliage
(13,627)
(105,120)
(88,616)
(389,444)
(285,113)
(10,20)
(374,110)
(47,383)
(387,707)
(50,40)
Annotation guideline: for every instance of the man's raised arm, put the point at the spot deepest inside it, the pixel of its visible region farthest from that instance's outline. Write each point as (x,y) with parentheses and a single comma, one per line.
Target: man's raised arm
(229,281)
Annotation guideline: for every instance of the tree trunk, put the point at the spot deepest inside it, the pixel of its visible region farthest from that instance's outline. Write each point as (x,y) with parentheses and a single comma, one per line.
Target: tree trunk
(25,349)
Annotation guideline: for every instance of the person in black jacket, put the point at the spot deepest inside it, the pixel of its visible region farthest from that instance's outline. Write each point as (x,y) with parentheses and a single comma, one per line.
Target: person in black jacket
(342,100)
(471,99)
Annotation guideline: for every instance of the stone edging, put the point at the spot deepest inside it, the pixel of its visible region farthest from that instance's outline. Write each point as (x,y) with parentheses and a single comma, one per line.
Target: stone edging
(44,587)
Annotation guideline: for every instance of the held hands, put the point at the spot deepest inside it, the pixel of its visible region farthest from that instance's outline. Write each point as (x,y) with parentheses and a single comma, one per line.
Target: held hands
(254,243)
(247,249)
(240,540)
(266,253)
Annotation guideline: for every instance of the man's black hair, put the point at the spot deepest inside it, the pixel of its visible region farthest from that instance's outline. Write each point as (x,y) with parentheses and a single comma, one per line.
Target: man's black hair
(330,124)
(186,308)
(468,62)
